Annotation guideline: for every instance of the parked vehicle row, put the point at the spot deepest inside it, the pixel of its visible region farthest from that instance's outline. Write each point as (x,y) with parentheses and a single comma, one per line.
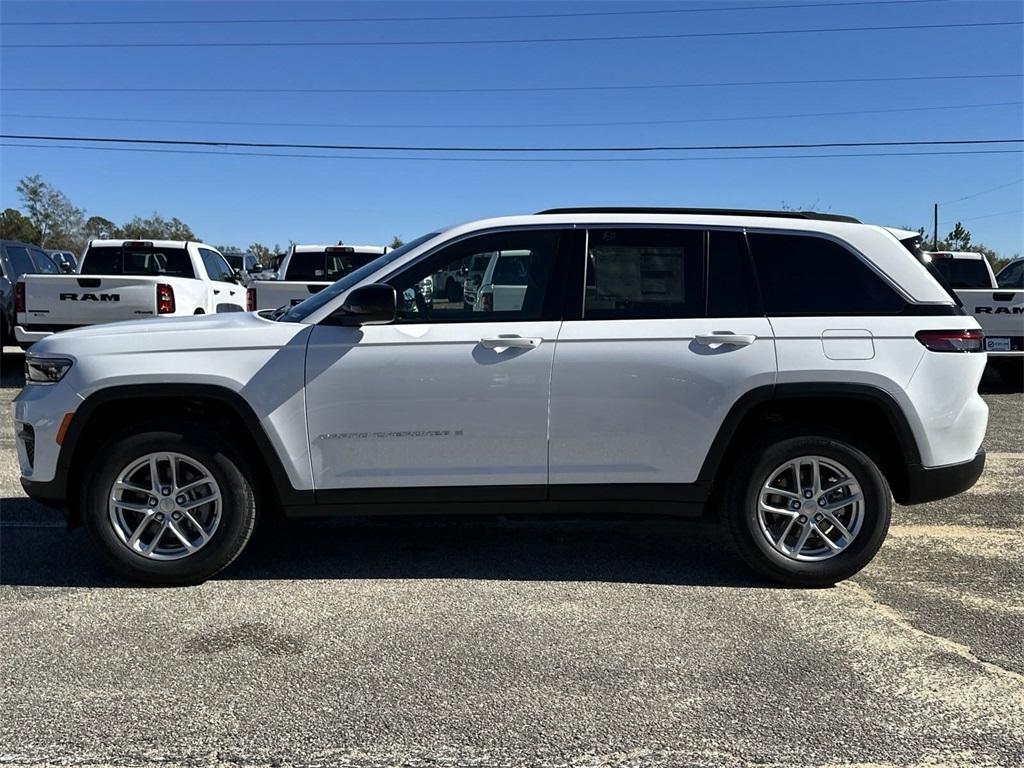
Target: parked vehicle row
(788,373)
(127,280)
(997,301)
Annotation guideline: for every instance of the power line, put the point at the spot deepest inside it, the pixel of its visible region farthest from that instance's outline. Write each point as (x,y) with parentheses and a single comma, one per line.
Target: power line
(513,159)
(502,17)
(512,41)
(513,89)
(984,216)
(983,192)
(597,124)
(565,149)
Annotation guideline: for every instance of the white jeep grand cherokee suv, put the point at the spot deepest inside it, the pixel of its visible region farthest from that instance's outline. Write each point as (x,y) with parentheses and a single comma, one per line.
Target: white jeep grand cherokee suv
(790,373)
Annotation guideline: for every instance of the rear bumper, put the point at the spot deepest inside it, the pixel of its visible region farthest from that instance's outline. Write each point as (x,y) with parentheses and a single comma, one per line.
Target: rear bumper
(932,483)
(23,336)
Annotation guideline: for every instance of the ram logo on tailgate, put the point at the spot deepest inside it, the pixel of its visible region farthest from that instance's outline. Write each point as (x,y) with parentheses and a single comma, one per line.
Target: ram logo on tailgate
(999,310)
(90,297)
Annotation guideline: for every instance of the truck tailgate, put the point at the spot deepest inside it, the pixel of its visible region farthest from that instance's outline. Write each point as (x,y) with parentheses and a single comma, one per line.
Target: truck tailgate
(68,301)
(1000,312)
(271,294)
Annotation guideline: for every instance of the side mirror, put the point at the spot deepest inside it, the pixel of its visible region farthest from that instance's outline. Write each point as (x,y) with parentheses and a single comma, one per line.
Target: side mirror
(66,268)
(374,304)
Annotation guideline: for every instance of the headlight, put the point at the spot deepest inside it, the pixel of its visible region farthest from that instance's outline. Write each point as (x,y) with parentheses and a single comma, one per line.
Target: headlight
(46,370)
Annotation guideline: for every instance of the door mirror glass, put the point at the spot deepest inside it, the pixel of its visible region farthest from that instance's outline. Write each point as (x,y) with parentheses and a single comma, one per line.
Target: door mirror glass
(374,304)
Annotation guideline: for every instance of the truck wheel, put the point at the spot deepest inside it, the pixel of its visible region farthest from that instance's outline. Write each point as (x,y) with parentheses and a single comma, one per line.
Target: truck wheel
(1011,371)
(807,511)
(168,504)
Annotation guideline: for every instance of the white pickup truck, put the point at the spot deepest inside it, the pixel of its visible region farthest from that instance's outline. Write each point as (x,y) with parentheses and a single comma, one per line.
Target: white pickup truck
(127,280)
(307,269)
(997,304)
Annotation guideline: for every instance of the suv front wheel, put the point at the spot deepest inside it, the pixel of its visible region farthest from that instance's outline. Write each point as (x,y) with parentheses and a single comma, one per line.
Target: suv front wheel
(168,504)
(808,511)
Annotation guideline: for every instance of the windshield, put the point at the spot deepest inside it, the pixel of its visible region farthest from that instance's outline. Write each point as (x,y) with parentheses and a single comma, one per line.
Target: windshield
(234,259)
(304,309)
(326,265)
(963,273)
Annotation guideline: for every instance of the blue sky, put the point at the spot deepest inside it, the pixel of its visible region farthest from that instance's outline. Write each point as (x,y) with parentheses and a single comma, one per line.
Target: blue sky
(238,200)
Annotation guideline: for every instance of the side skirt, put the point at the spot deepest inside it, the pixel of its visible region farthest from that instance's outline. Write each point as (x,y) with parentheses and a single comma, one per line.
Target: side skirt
(682,500)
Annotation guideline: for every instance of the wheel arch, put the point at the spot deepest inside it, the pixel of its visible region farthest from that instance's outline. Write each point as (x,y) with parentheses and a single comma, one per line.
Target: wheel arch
(870,416)
(108,411)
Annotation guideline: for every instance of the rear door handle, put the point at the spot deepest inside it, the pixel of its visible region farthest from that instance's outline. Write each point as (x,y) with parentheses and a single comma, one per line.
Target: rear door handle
(216,290)
(725,337)
(503,343)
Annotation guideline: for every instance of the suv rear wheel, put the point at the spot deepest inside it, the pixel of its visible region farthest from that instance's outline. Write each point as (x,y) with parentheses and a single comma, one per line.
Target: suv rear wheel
(808,511)
(168,504)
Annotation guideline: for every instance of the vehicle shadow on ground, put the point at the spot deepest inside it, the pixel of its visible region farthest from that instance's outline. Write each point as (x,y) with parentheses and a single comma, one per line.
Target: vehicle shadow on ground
(36,550)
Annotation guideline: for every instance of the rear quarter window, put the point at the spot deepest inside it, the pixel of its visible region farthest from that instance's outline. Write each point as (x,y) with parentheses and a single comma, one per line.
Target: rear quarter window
(812,276)
(963,273)
(140,262)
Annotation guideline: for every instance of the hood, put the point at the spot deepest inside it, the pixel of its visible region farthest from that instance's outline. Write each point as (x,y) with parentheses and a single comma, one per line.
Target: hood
(229,330)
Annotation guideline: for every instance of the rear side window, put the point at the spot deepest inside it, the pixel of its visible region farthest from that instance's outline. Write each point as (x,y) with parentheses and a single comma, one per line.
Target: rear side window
(137,261)
(963,273)
(21,262)
(809,275)
(732,289)
(644,273)
(216,267)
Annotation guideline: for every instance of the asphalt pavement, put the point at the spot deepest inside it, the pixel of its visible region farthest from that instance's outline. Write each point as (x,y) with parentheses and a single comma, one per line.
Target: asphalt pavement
(521,642)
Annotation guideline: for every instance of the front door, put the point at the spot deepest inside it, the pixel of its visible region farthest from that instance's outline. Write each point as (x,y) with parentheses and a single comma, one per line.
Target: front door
(451,395)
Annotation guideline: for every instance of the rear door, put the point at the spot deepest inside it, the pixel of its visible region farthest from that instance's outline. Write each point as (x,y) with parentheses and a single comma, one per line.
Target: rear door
(645,375)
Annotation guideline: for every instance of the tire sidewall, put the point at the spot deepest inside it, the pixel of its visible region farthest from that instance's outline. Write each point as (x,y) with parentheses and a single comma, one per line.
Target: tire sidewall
(877,512)
(237,505)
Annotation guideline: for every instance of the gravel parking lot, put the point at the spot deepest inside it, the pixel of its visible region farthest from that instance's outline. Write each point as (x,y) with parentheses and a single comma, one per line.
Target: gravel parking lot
(508,642)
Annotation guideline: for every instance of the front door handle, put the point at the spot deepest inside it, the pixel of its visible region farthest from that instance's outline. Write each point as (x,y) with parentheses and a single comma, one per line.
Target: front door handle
(216,290)
(503,343)
(716,338)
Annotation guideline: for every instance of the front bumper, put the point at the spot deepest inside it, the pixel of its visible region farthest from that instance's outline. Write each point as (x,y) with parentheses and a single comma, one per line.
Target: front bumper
(933,483)
(51,493)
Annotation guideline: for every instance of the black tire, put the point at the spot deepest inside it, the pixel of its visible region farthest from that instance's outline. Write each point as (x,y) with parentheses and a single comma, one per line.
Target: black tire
(741,518)
(238,502)
(1011,371)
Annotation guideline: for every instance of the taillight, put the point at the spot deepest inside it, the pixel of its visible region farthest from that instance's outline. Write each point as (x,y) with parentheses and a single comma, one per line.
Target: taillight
(19,296)
(250,299)
(164,299)
(953,341)
(487,302)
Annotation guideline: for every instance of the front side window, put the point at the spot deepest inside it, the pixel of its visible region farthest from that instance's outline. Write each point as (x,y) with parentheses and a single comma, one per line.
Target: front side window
(44,264)
(1012,276)
(508,276)
(21,262)
(137,261)
(644,273)
(216,267)
(811,276)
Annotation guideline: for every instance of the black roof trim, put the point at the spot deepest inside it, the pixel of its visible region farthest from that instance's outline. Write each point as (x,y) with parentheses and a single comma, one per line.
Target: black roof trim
(709,211)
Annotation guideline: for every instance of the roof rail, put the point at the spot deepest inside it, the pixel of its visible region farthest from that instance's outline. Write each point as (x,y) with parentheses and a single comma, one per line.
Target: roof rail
(709,211)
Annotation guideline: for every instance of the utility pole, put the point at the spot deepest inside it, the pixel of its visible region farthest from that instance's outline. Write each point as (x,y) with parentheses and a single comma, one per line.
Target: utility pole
(935,228)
